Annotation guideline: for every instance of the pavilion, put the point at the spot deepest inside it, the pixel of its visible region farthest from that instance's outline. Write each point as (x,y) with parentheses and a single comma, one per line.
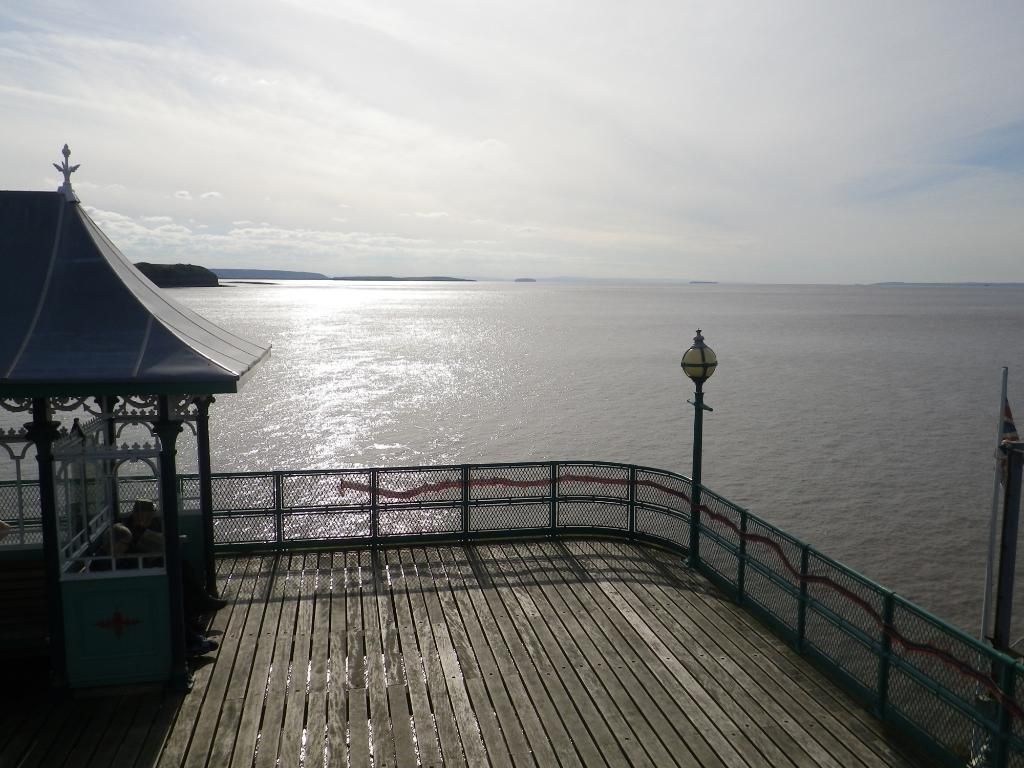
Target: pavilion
(86,333)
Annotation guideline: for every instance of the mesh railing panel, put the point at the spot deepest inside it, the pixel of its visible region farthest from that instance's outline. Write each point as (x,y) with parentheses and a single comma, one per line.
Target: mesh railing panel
(721,560)
(509,517)
(244,529)
(723,520)
(663,489)
(941,657)
(853,603)
(20,509)
(779,555)
(324,526)
(188,489)
(238,493)
(593,514)
(520,481)
(944,724)
(335,489)
(402,486)
(593,480)
(404,522)
(673,528)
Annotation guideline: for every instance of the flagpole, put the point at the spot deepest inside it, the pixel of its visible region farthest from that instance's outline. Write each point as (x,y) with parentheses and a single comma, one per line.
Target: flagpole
(986,603)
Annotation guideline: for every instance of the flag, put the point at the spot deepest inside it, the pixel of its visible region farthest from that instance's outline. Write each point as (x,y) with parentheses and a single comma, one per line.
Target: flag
(1009,430)
(1007,434)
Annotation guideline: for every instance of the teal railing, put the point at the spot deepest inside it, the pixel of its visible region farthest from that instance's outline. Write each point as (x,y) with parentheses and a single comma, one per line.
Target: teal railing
(956,698)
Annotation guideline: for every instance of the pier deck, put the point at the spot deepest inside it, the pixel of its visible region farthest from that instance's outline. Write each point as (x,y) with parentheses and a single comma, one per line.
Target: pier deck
(546,653)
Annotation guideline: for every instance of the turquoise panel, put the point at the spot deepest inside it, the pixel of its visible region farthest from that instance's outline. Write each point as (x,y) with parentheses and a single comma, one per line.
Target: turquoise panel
(117,630)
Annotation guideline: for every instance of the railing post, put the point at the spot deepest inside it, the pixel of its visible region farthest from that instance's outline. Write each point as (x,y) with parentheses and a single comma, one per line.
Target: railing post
(374,511)
(885,655)
(279,509)
(631,501)
(741,566)
(1007,682)
(465,502)
(553,508)
(801,617)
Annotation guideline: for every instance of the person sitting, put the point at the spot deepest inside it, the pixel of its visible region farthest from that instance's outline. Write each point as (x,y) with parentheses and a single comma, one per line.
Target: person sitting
(141,520)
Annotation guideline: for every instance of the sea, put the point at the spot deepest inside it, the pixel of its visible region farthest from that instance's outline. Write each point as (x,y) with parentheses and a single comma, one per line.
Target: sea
(859,418)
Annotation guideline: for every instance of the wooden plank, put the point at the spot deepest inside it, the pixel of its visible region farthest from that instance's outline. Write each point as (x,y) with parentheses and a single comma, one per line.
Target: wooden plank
(566,711)
(793,732)
(401,725)
(695,666)
(511,719)
(34,745)
(641,699)
(834,721)
(125,738)
(291,745)
(631,736)
(446,730)
(97,719)
(237,585)
(444,674)
(460,664)
(259,673)
(85,715)
(178,740)
(153,744)
(381,737)
(337,702)
(316,716)
(270,732)
(245,638)
(359,729)
(415,671)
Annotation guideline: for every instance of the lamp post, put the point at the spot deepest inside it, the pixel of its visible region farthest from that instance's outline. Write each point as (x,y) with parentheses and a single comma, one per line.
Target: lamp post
(699,363)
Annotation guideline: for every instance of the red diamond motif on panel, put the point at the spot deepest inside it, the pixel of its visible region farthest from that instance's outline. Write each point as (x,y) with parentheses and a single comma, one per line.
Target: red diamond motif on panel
(117,623)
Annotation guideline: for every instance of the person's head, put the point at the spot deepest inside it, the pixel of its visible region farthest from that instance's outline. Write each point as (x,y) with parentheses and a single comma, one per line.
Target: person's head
(5,528)
(143,512)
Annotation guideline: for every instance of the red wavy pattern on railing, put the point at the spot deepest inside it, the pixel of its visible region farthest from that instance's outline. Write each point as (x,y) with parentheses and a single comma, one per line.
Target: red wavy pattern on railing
(887,629)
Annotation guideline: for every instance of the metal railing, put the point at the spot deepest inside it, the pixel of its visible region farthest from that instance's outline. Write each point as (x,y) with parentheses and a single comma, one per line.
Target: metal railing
(956,698)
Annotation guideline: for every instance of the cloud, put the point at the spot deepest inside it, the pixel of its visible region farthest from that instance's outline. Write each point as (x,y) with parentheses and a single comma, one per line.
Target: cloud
(634,140)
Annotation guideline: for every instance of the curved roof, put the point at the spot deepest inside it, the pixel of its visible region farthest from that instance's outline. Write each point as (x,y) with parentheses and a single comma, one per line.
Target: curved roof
(79,319)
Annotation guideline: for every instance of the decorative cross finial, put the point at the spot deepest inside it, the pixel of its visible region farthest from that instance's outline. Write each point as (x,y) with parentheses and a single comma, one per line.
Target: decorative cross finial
(67,170)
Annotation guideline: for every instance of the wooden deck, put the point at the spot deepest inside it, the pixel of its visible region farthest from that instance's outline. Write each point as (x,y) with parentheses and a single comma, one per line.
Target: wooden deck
(547,653)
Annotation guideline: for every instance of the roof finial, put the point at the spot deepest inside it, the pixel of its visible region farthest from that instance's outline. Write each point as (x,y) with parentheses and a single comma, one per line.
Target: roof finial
(67,170)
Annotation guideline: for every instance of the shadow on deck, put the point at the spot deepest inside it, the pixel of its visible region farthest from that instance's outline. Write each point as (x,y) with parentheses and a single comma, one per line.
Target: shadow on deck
(576,652)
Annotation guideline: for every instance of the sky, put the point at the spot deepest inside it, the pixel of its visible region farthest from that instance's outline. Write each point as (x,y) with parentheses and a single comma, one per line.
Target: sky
(809,142)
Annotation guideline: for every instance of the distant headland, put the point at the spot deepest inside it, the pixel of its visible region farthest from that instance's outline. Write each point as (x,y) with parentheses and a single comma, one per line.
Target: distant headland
(178,275)
(267,274)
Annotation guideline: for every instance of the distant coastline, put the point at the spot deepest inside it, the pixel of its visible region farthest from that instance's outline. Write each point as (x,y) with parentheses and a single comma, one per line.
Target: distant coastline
(392,279)
(949,285)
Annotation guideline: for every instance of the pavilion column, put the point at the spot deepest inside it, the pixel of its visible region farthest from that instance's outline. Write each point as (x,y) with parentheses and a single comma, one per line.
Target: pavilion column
(168,429)
(42,431)
(203,404)
(106,404)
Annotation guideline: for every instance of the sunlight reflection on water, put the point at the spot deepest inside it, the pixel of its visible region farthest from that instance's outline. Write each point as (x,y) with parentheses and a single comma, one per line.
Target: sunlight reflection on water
(859,418)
